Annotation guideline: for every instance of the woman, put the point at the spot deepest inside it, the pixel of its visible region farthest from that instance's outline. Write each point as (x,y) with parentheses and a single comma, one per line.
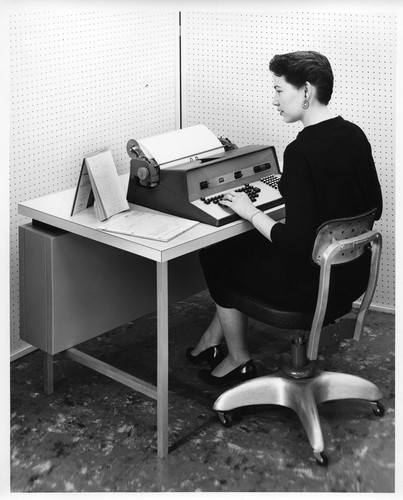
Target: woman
(328,173)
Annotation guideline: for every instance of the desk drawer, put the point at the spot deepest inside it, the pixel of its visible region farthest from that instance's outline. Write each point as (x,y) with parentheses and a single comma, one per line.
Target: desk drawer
(73,289)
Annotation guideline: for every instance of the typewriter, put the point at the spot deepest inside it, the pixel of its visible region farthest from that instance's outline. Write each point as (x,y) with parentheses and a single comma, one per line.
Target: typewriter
(187,172)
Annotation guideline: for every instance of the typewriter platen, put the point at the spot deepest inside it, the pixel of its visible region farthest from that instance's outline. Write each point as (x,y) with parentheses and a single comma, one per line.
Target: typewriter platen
(192,185)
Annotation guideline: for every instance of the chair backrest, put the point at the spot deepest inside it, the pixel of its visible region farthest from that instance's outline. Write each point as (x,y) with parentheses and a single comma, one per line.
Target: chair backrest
(342,229)
(339,241)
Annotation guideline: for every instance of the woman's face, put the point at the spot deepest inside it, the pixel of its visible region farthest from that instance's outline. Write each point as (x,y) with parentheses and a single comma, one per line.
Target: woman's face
(288,99)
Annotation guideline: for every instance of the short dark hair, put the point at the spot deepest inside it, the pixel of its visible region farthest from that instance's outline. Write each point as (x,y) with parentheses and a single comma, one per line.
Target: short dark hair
(305,66)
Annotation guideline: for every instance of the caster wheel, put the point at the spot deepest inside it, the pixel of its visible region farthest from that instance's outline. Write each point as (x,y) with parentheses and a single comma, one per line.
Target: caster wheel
(225,418)
(379,409)
(321,459)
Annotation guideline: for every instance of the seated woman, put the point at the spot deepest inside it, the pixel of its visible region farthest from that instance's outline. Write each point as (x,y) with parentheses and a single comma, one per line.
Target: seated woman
(328,173)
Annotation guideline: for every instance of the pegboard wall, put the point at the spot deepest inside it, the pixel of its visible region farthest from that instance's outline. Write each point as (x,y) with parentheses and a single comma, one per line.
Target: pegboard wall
(87,80)
(228,86)
(80,82)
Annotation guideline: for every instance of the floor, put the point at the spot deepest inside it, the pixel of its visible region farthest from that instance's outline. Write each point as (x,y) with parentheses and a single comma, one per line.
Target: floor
(95,435)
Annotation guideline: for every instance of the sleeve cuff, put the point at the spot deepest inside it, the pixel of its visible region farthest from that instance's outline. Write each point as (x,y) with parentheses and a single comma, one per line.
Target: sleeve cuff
(276,231)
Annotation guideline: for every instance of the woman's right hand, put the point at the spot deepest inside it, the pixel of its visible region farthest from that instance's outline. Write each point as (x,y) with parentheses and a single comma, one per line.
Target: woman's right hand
(240,203)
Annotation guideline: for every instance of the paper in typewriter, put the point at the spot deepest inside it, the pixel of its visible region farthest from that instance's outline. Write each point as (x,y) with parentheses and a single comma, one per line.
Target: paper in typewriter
(181,146)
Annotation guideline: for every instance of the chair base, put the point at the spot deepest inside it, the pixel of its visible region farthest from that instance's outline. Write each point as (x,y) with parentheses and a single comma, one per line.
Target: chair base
(302,396)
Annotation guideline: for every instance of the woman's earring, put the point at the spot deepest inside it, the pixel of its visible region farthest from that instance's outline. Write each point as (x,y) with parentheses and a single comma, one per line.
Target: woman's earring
(305,102)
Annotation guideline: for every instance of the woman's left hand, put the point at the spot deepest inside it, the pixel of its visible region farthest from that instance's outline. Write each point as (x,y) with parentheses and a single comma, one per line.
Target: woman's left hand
(239,203)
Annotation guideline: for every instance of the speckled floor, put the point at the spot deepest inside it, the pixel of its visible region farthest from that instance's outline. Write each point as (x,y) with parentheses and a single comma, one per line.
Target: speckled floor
(95,435)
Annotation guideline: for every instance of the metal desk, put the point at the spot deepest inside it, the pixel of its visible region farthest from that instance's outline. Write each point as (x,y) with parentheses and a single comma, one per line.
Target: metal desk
(77,282)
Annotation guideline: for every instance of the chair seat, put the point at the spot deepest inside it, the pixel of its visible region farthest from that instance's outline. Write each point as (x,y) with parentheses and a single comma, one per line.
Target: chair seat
(280,317)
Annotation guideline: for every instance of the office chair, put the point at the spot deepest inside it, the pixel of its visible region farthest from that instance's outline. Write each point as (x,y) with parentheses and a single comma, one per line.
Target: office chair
(300,385)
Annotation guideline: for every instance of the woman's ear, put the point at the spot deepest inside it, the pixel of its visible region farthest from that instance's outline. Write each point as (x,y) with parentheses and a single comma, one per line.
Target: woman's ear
(308,90)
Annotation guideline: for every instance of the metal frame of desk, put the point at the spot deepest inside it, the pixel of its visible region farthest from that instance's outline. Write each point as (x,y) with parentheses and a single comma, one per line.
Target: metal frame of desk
(54,210)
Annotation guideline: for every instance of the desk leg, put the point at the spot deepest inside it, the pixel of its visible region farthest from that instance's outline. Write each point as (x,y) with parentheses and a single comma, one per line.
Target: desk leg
(48,373)
(162,359)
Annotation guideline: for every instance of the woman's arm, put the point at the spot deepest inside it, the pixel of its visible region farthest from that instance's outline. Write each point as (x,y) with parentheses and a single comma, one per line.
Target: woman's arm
(297,189)
(263,223)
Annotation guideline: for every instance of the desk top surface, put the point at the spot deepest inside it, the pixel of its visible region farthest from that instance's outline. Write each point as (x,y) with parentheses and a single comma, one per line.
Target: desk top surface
(55,209)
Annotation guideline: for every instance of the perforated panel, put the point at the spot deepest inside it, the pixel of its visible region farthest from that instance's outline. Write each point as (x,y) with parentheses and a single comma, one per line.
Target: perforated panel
(81,81)
(228,86)
(86,80)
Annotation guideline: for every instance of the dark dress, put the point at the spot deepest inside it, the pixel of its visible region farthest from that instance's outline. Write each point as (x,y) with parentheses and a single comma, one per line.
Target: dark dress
(328,173)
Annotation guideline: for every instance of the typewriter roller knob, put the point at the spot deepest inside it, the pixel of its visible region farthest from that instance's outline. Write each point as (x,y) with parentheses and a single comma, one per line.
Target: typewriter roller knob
(145,170)
(143,173)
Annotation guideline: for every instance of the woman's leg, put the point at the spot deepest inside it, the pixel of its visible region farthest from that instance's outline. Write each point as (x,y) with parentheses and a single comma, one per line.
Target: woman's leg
(214,335)
(231,325)
(234,326)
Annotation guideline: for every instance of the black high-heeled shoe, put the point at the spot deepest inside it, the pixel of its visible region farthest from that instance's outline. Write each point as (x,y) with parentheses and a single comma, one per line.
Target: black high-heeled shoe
(241,373)
(213,355)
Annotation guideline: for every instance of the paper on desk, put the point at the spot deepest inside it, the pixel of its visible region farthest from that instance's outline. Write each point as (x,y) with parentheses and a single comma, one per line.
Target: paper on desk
(147,225)
(181,146)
